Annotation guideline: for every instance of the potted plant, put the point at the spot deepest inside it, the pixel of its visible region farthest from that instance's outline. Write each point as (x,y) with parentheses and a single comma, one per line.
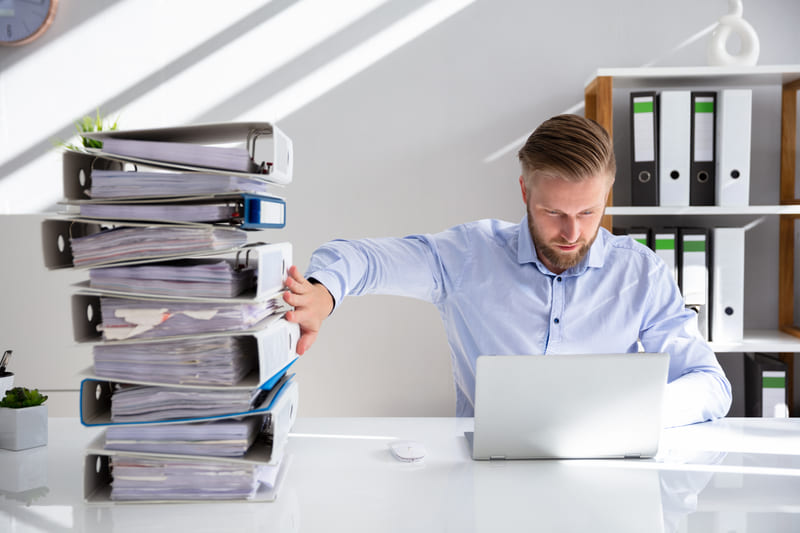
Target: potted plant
(23,419)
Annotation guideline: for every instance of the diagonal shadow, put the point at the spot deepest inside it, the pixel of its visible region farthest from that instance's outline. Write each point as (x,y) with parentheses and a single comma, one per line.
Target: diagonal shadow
(150,82)
(337,45)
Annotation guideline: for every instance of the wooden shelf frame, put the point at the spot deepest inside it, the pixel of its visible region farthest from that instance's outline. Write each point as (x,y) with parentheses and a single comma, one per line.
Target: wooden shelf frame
(598,97)
(786,258)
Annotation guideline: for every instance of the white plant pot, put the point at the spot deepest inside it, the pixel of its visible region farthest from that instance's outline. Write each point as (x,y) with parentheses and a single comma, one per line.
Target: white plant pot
(6,382)
(24,428)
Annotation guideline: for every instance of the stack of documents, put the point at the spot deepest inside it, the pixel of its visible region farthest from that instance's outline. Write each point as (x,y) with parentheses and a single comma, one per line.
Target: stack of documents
(116,184)
(243,210)
(141,403)
(223,438)
(186,277)
(214,211)
(249,444)
(253,148)
(211,361)
(235,158)
(191,349)
(126,318)
(148,479)
(152,242)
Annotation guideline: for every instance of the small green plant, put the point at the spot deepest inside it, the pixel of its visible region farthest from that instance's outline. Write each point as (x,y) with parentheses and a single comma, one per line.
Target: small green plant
(91,124)
(19,397)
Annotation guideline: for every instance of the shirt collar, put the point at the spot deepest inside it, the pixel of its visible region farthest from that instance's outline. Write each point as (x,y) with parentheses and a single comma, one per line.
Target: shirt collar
(526,252)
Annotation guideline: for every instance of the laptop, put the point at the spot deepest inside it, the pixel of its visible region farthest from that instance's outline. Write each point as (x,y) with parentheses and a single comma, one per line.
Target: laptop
(568,406)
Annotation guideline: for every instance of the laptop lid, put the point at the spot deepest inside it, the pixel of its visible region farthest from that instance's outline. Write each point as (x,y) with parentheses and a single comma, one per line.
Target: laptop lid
(568,406)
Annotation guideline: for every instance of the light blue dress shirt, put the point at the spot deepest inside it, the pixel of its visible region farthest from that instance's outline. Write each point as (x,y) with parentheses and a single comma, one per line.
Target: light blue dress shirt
(495,297)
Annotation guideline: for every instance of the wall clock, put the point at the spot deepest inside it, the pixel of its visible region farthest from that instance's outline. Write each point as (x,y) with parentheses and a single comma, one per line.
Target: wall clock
(22,21)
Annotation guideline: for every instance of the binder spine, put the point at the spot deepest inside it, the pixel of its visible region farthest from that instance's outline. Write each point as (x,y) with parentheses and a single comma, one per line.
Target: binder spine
(727,301)
(734,118)
(665,248)
(277,347)
(263,212)
(673,154)
(703,166)
(765,386)
(693,258)
(77,172)
(57,235)
(644,148)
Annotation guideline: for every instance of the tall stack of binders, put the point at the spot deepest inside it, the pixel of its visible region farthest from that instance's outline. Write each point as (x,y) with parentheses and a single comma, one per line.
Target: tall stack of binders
(184,315)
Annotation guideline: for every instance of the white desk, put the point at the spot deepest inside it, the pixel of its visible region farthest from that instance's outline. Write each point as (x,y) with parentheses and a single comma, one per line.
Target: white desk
(738,475)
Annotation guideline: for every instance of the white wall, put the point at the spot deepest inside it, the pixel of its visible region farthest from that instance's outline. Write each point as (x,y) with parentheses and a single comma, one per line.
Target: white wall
(405,115)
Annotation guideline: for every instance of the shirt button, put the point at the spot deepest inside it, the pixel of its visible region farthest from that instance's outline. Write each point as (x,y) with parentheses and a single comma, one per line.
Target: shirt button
(558,278)
(555,320)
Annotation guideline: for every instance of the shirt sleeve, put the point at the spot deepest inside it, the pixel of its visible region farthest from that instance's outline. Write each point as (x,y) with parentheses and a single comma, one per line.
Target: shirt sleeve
(697,389)
(415,266)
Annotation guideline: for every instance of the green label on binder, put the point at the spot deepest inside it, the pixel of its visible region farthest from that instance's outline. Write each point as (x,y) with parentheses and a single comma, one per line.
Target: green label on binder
(665,244)
(773,383)
(703,107)
(643,107)
(694,246)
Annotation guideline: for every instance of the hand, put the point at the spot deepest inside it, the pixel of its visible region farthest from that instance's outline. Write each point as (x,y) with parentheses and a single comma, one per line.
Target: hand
(312,304)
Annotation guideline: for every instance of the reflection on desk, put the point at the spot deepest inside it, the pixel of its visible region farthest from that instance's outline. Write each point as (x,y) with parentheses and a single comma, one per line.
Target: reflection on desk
(731,475)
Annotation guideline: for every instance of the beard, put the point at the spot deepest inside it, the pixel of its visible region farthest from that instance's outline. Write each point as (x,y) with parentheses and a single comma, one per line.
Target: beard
(557,258)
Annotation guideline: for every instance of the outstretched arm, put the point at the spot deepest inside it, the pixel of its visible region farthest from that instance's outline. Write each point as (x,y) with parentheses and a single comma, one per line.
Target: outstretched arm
(312,304)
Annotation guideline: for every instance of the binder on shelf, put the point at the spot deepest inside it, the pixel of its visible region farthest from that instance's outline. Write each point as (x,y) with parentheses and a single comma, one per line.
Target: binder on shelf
(261,149)
(85,243)
(703,148)
(260,270)
(765,386)
(644,148)
(734,115)
(246,211)
(642,235)
(674,137)
(727,304)
(693,259)
(665,247)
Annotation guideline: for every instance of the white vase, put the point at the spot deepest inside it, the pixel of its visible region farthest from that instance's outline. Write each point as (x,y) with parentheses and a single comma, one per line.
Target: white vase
(23,428)
(717,53)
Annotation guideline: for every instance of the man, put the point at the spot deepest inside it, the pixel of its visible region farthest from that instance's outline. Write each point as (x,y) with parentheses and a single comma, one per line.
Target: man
(555,283)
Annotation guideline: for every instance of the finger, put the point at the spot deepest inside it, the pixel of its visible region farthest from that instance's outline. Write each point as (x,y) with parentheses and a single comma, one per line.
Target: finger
(295,275)
(296,283)
(292,316)
(292,298)
(305,318)
(305,342)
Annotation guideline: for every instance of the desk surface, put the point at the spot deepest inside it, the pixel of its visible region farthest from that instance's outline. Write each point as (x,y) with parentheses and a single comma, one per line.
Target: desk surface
(738,475)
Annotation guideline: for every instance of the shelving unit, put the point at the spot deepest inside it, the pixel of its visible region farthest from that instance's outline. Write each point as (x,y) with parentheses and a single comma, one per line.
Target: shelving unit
(598,94)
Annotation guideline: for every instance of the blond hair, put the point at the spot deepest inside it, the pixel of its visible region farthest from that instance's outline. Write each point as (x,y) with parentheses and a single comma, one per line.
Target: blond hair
(569,147)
